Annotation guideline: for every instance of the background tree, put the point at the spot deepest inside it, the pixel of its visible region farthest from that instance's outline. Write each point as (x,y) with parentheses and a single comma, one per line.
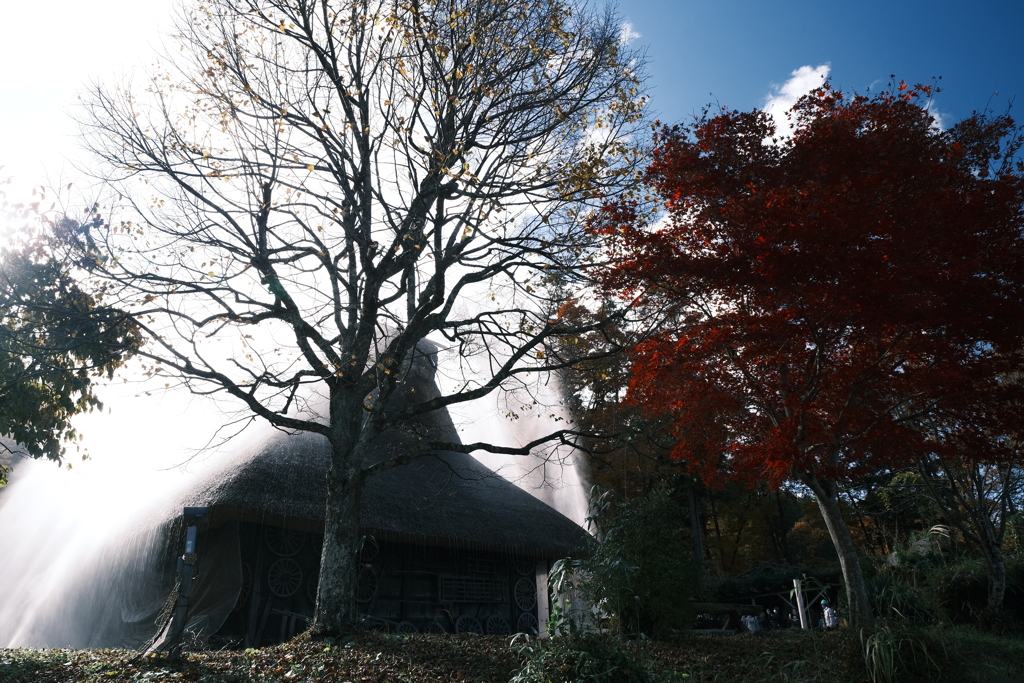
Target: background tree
(624,451)
(642,571)
(316,187)
(57,335)
(837,285)
(627,453)
(979,487)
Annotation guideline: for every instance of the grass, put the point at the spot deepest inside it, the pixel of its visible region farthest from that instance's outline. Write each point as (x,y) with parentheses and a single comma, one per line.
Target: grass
(959,655)
(979,657)
(789,655)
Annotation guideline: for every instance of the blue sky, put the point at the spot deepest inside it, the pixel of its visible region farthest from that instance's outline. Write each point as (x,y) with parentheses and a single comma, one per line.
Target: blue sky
(733,51)
(737,53)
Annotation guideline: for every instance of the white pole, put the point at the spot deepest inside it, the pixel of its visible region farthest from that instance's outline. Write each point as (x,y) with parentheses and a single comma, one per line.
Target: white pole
(543,597)
(800,602)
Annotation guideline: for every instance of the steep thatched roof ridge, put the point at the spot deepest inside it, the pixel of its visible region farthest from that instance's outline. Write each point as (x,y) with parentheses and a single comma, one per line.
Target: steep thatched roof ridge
(443,498)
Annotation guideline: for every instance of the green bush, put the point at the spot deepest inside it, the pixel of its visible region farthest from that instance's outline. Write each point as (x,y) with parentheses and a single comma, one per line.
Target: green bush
(639,578)
(900,653)
(641,574)
(960,590)
(905,596)
(938,587)
(573,654)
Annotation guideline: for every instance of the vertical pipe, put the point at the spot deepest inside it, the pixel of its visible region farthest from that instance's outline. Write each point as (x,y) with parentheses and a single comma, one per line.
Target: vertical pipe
(543,597)
(798,587)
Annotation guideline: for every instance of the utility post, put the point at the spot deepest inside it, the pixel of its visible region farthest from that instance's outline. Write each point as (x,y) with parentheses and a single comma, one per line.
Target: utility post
(799,590)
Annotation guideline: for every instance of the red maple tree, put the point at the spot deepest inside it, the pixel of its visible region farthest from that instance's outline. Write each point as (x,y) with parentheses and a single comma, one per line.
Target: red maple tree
(831,289)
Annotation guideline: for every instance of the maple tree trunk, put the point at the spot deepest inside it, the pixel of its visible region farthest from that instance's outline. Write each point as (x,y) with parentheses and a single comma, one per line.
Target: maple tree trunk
(827,496)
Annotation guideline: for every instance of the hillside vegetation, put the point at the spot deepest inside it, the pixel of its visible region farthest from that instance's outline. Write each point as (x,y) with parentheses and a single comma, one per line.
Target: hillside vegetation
(954,655)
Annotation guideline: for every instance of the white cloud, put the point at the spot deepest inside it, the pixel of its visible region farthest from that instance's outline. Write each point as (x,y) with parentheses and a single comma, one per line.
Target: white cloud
(784,96)
(940,120)
(627,34)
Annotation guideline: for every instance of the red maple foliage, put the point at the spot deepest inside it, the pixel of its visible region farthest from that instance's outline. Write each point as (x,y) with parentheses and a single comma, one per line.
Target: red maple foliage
(831,288)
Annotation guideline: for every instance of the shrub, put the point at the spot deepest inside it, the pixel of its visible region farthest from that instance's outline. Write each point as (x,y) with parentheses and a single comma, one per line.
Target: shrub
(642,573)
(573,654)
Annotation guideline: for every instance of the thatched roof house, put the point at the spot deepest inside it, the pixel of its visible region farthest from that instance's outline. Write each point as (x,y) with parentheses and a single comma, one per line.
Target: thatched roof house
(444,499)
(455,546)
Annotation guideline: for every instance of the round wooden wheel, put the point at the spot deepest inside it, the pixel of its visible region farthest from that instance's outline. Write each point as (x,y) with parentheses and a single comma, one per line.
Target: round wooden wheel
(526,594)
(497,626)
(468,624)
(527,624)
(366,584)
(406,627)
(284,577)
(524,566)
(284,542)
(435,626)
(368,548)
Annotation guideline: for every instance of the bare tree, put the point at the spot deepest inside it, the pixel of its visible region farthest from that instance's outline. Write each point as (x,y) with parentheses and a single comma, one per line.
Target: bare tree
(974,474)
(316,186)
(981,500)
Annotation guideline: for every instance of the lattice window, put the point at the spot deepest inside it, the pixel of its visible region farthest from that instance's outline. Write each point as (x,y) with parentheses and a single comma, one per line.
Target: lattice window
(475,565)
(466,589)
(419,589)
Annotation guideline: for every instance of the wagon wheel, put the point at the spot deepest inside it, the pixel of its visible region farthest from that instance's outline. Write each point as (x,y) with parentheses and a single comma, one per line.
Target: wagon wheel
(524,566)
(468,624)
(284,542)
(526,594)
(497,626)
(374,623)
(366,584)
(434,627)
(406,627)
(368,548)
(246,589)
(284,577)
(527,624)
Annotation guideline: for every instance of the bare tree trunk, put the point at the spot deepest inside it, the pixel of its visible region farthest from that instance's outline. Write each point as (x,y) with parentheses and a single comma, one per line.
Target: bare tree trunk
(964,491)
(718,532)
(781,539)
(697,527)
(336,608)
(996,585)
(739,532)
(827,496)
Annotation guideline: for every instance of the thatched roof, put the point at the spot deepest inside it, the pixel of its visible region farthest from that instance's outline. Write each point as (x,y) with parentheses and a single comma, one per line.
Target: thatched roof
(443,498)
